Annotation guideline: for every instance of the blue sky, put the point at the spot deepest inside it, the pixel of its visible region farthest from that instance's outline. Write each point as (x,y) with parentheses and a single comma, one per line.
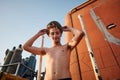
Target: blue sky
(21,19)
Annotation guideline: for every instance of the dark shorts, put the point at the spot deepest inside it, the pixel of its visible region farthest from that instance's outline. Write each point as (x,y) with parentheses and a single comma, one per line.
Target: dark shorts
(66,79)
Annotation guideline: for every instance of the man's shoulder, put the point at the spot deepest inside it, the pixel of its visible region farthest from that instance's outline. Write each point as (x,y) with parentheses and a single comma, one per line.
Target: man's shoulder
(67,46)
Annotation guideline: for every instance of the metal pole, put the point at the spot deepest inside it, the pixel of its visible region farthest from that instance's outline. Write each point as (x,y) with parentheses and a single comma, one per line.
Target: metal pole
(91,54)
(18,66)
(40,61)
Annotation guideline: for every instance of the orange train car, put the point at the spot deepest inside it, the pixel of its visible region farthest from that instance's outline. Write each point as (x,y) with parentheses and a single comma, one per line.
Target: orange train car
(102,22)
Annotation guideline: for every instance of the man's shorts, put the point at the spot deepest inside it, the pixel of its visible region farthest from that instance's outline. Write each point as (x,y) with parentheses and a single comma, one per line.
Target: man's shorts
(66,79)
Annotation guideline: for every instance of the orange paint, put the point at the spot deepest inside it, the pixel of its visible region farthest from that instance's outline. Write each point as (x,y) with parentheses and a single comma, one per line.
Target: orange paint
(107,54)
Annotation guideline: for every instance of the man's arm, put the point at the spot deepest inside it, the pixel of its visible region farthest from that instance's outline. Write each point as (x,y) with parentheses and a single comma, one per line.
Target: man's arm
(77,36)
(35,50)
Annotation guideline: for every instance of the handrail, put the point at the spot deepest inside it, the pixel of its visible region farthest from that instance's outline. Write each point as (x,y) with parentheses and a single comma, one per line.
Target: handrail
(18,63)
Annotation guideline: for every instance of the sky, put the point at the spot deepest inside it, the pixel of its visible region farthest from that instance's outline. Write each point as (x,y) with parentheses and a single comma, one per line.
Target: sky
(21,19)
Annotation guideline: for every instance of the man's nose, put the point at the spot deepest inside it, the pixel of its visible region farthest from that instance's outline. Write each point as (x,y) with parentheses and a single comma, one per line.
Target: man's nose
(55,35)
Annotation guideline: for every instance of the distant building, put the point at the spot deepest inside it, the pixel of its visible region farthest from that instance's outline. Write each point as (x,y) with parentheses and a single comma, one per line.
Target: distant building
(101,18)
(0,65)
(30,62)
(14,64)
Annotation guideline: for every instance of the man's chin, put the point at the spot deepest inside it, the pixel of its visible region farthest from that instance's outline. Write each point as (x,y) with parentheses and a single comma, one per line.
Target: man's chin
(56,42)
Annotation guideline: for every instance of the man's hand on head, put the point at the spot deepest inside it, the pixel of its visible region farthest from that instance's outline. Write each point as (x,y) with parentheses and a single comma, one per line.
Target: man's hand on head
(65,28)
(42,32)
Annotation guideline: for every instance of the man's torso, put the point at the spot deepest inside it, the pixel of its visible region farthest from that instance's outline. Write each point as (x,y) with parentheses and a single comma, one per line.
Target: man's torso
(57,63)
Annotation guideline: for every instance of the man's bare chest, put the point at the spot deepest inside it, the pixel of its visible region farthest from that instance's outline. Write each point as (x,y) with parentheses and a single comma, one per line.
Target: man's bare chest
(58,52)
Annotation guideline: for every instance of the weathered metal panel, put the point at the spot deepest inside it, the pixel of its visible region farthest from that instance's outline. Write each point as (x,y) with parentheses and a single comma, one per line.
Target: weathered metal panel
(104,34)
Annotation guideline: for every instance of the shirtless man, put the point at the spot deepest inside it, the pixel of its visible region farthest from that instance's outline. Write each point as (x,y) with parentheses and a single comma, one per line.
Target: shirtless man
(58,56)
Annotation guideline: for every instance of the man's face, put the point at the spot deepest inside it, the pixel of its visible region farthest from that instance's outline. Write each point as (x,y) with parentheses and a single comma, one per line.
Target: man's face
(55,35)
